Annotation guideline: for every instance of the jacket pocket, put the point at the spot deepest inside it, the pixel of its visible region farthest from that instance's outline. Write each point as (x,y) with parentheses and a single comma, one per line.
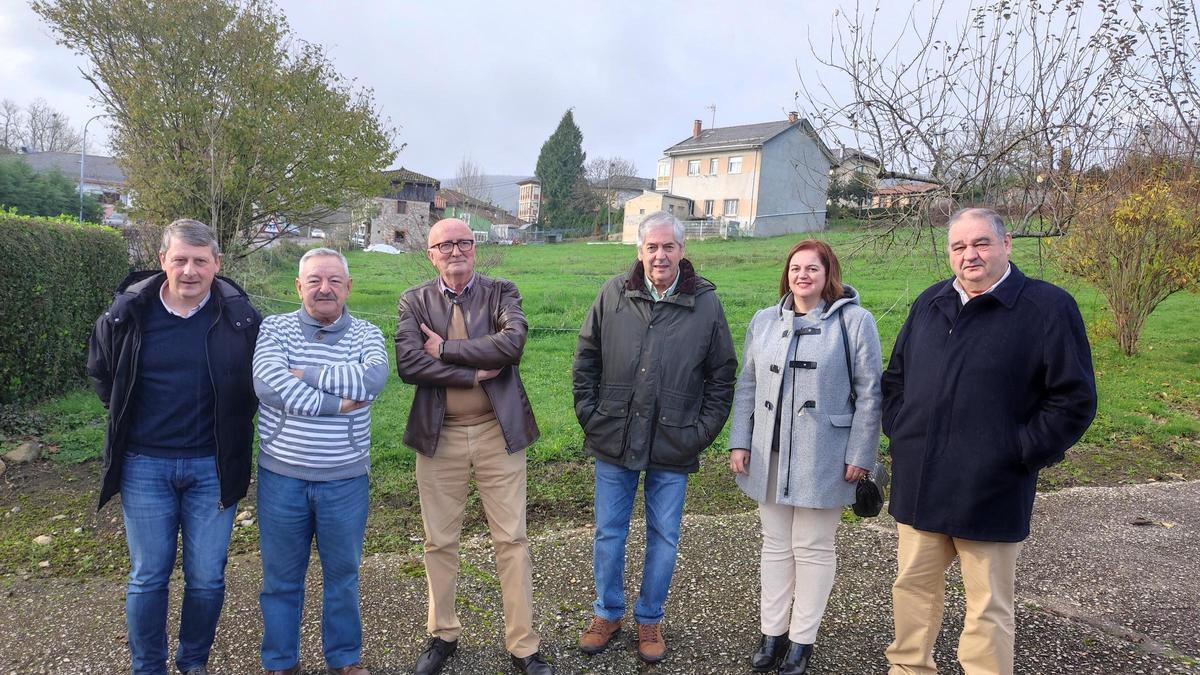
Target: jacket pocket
(841,420)
(677,438)
(605,429)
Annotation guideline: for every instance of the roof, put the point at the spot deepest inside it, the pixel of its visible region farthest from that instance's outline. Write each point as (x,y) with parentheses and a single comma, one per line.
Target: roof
(744,136)
(906,188)
(403,175)
(96,168)
(844,154)
(531,179)
(624,183)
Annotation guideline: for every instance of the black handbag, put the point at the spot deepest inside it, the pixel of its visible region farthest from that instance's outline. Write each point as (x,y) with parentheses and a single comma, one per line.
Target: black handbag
(868,497)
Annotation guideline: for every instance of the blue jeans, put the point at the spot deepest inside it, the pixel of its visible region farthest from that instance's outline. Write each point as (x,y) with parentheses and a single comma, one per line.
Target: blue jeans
(616,488)
(291,512)
(162,498)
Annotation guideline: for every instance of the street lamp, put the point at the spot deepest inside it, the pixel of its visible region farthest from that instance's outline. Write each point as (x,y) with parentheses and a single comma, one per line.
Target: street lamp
(82,150)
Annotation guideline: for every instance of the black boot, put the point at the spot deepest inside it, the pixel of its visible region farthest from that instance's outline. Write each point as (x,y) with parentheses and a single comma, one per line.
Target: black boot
(796,660)
(770,649)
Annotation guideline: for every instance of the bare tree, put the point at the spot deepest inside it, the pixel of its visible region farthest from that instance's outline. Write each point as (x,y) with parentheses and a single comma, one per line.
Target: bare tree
(45,129)
(606,176)
(10,125)
(1007,109)
(471,181)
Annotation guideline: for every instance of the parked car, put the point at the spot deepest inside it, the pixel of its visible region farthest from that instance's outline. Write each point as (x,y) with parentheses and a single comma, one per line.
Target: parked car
(317,233)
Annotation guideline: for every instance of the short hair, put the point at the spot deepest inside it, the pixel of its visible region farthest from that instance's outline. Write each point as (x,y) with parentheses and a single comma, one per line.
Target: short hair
(659,219)
(191,232)
(315,252)
(833,289)
(993,219)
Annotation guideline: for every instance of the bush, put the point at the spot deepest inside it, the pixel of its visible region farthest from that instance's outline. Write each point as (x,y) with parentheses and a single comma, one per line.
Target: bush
(48,193)
(57,276)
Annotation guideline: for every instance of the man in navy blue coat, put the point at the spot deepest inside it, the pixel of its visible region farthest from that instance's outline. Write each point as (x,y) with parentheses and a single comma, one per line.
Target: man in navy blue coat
(990,380)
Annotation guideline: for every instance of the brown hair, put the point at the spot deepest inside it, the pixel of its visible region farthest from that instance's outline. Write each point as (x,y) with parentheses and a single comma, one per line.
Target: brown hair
(833,271)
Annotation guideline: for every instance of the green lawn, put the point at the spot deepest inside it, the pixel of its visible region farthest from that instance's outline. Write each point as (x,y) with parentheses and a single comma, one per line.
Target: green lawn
(1148,426)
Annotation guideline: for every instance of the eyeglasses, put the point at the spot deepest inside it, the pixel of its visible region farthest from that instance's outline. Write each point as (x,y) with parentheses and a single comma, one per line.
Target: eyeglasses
(446,247)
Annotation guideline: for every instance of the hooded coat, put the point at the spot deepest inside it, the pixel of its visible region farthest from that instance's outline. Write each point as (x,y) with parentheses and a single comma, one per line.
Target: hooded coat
(820,431)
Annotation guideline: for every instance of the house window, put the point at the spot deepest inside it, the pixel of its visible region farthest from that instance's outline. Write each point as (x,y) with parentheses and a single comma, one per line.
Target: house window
(735,165)
(731,207)
(709,206)
(670,208)
(712,166)
(402,206)
(693,167)
(641,212)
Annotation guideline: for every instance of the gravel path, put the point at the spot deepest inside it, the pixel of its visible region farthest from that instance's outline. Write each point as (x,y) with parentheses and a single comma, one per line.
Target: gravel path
(1099,594)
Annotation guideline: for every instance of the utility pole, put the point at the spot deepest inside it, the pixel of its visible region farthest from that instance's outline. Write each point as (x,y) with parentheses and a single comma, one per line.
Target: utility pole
(82,150)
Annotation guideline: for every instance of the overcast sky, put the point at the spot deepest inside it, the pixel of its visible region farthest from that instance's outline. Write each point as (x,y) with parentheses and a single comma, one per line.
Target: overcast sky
(491,80)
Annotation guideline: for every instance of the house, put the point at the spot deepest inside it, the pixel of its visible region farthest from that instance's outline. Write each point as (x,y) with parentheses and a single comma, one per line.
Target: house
(529,200)
(620,189)
(649,202)
(480,216)
(102,176)
(901,194)
(400,216)
(849,161)
(762,179)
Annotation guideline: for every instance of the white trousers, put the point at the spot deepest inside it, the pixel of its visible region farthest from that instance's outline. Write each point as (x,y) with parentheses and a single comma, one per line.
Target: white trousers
(798,564)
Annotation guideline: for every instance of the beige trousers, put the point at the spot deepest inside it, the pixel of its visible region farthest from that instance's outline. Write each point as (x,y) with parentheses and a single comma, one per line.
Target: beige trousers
(985,646)
(798,564)
(442,481)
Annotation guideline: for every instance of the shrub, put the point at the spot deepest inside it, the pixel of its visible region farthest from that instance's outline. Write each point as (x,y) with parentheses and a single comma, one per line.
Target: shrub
(58,276)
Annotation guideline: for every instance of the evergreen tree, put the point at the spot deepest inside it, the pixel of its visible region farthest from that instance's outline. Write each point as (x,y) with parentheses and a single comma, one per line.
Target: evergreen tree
(48,193)
(559,168)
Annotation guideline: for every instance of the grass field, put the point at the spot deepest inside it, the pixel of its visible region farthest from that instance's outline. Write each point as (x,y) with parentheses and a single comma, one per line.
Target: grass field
(1148,427)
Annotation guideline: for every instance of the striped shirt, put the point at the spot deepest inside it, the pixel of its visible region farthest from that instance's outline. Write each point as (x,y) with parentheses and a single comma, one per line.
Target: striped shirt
(302,433)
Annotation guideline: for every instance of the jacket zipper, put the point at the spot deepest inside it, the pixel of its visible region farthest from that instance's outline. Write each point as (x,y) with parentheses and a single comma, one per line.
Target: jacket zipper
(216,404)
(137,349)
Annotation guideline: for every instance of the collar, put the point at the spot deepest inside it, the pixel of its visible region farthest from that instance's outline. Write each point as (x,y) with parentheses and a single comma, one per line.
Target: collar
(962,294)
(670,289)
(204,301)
(337,325)
(685,283)
(447,290)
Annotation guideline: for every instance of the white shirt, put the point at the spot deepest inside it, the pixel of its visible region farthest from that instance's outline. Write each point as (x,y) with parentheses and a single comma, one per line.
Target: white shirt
(962,295)
(162,298)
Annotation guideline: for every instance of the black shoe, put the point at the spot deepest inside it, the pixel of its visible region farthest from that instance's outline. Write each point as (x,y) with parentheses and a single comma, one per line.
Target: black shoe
(436,652)
(533,664)
(796,660)
(770,650)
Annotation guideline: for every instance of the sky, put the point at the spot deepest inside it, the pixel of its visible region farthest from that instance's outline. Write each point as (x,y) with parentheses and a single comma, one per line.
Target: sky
(490,81)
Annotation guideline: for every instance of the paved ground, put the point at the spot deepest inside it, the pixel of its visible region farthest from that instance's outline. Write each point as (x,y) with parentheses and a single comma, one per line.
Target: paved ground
(1107,584)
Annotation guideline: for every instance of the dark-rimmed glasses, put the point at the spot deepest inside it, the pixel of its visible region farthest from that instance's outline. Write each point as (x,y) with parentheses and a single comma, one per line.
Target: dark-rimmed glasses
(447,247)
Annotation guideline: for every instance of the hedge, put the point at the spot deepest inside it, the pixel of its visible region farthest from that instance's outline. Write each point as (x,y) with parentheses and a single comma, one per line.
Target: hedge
(56,277)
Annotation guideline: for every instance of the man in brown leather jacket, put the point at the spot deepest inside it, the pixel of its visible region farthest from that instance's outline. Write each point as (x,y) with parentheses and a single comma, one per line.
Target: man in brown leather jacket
(459,340)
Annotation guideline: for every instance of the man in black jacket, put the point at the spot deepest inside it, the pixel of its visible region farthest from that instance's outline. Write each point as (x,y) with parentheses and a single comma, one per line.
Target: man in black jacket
(990,380)
(170,359)
(653,382)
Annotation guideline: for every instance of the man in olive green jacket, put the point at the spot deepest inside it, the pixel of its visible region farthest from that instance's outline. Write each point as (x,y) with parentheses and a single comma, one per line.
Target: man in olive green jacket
(653,381)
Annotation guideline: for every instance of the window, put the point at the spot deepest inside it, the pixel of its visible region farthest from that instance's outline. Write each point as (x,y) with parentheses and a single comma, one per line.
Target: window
(709,206)
(670,208)
(731,207)
(402,206)
(664,168)
(735,166)
(641,212)
(712,166)
(693,167)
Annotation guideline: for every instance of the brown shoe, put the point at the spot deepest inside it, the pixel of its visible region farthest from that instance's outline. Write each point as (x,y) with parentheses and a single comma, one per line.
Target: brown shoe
(294,670)
(598,634)
(651,646)
(352,669)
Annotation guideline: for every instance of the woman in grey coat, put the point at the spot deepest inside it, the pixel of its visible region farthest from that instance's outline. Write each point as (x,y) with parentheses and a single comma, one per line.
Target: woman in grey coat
(805,428)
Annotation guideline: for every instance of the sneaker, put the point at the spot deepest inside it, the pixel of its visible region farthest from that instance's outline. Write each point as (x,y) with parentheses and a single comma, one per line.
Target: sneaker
(651,645)
(598,634)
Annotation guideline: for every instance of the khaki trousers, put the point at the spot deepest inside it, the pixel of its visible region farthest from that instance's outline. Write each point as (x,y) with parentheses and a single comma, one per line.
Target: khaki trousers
(985,646)
(442,481)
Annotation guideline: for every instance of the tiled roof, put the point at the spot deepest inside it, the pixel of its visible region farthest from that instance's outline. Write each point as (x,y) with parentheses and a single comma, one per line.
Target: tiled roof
(96,168)
(403,175)
(624,183)
(843,154)
(746,134)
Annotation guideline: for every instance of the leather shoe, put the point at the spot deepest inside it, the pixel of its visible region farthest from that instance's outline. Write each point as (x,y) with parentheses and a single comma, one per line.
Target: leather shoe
(436,652)
(533,664)
(770,650)
(795,662)
(294,670)
(352,669)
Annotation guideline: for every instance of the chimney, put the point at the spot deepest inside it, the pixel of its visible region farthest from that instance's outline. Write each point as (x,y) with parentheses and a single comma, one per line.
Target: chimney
(793,117)
(695,128)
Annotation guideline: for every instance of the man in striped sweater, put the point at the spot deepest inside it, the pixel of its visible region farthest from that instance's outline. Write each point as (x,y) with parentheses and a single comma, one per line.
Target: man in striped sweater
(316,372)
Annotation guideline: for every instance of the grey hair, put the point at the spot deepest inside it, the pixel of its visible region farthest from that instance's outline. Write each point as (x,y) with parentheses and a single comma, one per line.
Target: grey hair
(993,219)
(659,219)
(190,232)
(315,252)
